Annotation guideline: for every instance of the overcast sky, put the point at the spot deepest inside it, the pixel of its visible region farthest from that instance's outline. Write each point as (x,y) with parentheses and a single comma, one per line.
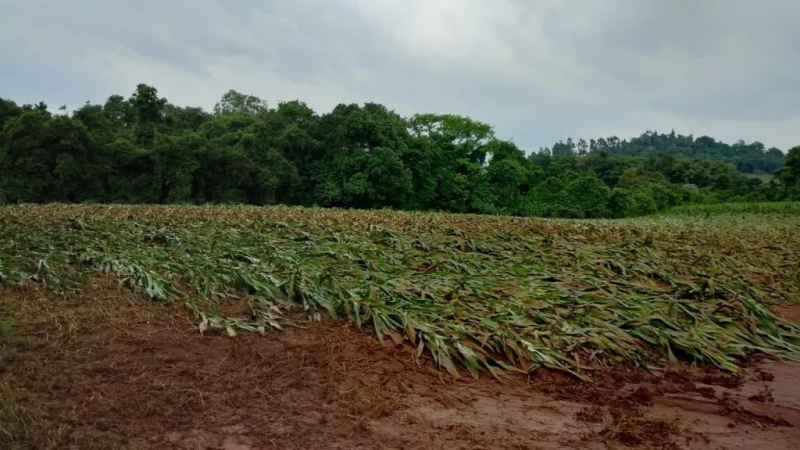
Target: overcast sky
(538,70)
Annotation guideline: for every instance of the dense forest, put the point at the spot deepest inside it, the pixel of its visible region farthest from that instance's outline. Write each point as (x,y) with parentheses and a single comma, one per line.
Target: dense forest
(143,149)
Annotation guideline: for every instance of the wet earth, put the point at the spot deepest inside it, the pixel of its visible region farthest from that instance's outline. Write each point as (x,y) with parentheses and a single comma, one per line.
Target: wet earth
(107,369)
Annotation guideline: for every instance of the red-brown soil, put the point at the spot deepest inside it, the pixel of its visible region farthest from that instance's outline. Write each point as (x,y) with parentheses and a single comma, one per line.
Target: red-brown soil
(108,369)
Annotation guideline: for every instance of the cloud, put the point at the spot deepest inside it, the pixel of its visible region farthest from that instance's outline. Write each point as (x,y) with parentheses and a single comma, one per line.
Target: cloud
(539,71)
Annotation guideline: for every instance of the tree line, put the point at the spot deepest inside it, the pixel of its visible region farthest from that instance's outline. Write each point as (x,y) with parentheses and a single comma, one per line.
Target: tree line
(143,149)
(748,158)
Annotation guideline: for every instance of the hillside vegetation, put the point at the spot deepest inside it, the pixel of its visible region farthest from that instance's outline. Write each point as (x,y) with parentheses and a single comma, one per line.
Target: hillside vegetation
(143,149)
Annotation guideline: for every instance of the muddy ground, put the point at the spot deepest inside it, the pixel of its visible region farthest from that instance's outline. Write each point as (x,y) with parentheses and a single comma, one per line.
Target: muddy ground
(108,369)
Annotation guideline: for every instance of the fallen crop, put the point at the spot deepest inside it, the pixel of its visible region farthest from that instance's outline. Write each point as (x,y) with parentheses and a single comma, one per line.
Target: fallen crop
(489,294)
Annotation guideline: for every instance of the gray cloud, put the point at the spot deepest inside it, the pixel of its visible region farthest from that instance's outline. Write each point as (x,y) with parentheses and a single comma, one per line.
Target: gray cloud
(538,71)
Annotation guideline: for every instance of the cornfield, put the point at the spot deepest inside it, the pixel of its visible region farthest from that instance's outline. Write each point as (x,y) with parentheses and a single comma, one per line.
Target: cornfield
(486,294)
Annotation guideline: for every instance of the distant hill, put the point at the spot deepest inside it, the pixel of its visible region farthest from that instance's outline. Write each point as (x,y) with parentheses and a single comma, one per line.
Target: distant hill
(748,158)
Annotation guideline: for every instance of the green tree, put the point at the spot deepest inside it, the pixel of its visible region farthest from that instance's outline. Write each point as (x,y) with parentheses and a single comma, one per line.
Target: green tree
(175,161)
(790,174)
(236,103)
(361,141)
(507,177)
(588,195)
(148,110)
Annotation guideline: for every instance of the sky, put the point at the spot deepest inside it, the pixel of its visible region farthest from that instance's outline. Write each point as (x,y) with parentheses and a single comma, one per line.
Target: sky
(537,70)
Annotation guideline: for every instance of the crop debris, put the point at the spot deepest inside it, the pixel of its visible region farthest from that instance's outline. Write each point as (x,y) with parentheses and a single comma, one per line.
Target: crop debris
(482,293)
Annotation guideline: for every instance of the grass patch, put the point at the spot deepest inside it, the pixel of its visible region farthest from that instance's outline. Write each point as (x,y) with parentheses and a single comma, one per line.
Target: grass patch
(24,428)
(488,294)
(12,344)
(21,427)
(790,208)
(6,330)
(633,428)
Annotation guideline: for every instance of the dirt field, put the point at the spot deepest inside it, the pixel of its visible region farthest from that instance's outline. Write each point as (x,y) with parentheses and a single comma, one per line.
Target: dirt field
(109,369)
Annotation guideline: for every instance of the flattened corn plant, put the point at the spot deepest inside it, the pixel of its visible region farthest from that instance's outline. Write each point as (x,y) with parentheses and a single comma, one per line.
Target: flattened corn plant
(490,294)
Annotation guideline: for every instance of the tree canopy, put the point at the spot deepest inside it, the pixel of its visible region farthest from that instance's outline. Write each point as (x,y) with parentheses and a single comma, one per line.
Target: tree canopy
(143,149)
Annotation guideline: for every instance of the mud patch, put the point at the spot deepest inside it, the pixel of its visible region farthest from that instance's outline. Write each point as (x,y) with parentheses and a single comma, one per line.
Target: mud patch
(108,369)
(790,311)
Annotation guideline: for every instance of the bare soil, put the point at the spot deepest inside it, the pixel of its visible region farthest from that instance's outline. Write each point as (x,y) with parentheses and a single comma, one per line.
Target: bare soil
(108,369)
